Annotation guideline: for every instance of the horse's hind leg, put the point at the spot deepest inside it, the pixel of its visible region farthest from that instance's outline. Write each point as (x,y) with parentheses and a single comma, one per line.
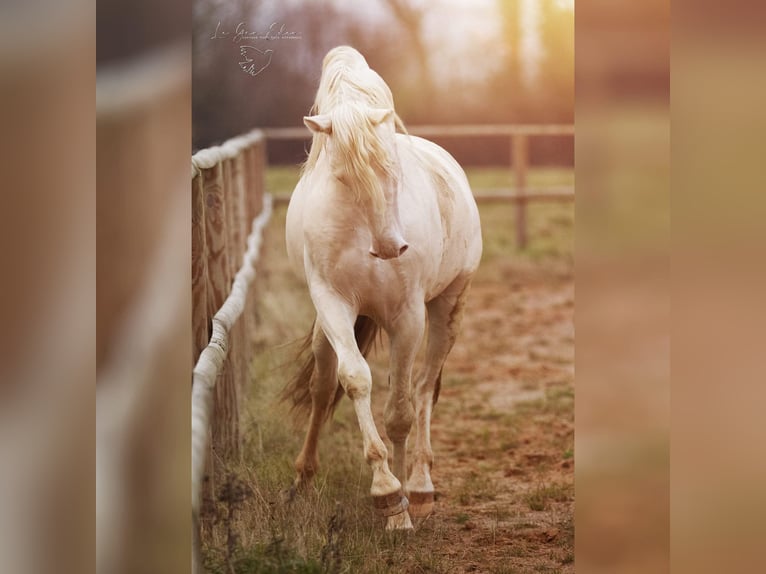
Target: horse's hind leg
(444,316)
(323,385)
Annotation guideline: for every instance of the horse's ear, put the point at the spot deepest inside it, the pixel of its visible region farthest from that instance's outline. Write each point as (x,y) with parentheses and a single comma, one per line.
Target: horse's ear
(378,115)
(320,123)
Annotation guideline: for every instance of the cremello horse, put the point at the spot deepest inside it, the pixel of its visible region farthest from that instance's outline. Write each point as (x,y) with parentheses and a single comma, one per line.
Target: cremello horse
(385,230)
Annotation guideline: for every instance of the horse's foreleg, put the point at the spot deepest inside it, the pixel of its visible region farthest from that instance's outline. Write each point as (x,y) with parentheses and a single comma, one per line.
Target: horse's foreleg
(406,334)
(386,490)
(444,317)
(337,319)
(323,385)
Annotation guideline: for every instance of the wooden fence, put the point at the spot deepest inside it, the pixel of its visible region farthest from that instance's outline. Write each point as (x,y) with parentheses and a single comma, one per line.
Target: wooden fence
(229,211)
(518,134)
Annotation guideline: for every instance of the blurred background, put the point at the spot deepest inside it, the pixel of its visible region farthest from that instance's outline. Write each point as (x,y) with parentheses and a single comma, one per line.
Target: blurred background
(446,62)
(623,305)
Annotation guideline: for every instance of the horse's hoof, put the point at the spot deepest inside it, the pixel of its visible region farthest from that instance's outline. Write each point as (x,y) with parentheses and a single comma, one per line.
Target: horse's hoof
(400,522)
(421,504)
(390,504)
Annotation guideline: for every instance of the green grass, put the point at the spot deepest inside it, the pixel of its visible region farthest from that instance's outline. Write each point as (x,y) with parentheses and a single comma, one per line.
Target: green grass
(482,177)
(549,226)
(281,178)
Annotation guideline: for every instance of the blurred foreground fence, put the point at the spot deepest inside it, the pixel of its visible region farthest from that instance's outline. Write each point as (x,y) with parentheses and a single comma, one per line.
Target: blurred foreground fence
(518,134)
(143,106)
(229,212)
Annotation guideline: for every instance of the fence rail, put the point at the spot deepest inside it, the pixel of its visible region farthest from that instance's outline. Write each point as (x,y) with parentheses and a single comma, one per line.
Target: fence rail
(518,134)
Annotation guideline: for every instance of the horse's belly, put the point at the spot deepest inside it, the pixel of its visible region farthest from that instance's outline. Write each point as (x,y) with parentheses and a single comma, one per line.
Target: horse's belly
(460,255)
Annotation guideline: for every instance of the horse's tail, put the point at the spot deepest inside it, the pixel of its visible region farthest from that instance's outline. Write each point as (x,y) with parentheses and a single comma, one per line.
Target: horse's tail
(298,389)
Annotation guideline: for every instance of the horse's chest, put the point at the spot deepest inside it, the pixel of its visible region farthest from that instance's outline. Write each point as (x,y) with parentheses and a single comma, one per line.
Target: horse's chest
(375,288)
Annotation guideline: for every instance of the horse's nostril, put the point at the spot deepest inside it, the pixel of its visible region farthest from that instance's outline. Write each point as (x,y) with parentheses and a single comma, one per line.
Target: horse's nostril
(374,254)
(403,249)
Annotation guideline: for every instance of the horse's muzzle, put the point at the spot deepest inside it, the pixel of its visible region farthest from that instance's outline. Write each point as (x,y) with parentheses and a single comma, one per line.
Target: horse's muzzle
(392,253)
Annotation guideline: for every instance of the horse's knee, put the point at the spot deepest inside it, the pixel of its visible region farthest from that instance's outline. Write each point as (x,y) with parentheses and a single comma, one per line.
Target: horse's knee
(376,452)
(356,378)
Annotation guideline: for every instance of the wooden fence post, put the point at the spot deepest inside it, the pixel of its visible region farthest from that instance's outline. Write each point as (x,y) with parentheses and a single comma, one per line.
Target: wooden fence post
(200,318)
(225,423)
(520,161)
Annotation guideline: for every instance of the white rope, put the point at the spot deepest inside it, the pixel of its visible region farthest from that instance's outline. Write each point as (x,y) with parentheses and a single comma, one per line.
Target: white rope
(210,157)
(213,356)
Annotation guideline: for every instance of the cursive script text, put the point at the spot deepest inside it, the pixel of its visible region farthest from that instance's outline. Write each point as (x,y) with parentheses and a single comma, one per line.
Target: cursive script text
(240,34)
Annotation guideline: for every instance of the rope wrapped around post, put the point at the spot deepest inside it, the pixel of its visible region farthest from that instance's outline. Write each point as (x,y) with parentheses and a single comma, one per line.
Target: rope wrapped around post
(213,356)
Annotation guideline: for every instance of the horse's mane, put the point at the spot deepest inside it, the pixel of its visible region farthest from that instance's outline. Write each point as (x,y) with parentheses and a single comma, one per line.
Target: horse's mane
(347,88)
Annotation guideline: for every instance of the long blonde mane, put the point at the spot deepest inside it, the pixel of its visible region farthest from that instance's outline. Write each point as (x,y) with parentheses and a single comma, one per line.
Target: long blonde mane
(348,87)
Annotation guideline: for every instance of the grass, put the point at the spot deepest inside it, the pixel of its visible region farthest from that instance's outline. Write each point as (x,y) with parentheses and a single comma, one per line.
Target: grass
(281,178)
(476,487)
(249,527)
(540,497)
(462,518)
(272,558)
(504,178)
(558,400)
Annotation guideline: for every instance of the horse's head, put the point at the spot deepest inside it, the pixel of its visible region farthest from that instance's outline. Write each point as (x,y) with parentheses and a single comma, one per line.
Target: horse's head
(361,149)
